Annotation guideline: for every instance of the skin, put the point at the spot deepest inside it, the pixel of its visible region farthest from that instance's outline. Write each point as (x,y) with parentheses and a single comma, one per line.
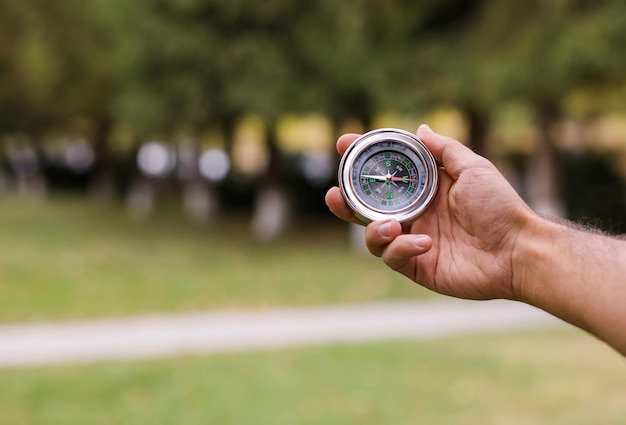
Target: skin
(479,240)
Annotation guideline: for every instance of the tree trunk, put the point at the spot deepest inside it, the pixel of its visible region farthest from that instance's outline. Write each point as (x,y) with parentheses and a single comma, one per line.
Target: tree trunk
(477,134)
(272,212)
(228,123)
(543,179)
(102,183)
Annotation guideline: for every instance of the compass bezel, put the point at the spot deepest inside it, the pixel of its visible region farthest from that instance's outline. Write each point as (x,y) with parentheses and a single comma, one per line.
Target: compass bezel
(347,183)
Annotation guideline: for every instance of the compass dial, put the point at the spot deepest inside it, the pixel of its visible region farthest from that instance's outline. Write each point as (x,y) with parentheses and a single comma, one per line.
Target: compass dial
(388,173)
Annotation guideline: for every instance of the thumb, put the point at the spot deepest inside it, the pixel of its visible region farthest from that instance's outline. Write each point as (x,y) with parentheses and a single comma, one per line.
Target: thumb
(448,152)
(398,254)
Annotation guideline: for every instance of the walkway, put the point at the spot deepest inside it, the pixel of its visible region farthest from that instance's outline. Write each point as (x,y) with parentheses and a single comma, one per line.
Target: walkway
(36,344)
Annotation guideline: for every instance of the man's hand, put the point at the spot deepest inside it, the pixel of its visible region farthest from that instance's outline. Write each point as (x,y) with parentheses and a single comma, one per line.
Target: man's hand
(463,244)
(479,240)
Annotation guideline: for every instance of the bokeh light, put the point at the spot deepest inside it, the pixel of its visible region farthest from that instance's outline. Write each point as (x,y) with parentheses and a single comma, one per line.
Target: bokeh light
(214,165)
(156,159)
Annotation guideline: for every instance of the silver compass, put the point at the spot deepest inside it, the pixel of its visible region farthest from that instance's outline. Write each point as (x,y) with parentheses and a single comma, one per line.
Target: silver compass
(388,173)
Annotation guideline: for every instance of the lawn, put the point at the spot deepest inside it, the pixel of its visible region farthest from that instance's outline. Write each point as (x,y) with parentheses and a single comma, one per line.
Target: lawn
(560,377)
(68,258)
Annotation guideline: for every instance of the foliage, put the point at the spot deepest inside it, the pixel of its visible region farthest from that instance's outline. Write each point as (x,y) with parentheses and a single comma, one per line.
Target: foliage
(170,65)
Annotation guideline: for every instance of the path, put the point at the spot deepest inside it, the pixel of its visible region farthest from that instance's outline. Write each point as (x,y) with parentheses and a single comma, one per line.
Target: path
(25,345)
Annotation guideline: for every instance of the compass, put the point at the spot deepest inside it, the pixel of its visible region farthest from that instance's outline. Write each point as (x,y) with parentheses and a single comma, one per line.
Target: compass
(388,173)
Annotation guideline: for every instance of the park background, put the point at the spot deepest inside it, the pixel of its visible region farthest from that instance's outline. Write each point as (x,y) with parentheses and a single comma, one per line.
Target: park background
(172,156)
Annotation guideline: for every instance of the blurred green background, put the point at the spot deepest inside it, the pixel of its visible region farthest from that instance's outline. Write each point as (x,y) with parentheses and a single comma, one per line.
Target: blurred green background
(172,155)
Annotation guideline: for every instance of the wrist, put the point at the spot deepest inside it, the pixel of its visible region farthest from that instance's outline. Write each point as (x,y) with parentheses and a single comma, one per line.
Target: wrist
(534,248)
(574,274)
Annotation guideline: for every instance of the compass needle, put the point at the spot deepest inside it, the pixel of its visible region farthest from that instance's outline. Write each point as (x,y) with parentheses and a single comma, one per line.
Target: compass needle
(368,176)
(403,179)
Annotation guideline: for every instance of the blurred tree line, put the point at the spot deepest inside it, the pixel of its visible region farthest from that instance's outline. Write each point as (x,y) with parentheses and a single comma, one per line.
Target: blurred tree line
(523,75)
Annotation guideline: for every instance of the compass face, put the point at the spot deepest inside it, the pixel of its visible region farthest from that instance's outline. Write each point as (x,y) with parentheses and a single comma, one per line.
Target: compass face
(388,173)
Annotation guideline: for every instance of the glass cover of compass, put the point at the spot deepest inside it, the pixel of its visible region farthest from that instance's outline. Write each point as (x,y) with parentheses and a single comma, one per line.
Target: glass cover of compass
(388,173)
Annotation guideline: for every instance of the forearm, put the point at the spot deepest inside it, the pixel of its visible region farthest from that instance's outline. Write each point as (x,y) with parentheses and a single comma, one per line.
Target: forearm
(576,275)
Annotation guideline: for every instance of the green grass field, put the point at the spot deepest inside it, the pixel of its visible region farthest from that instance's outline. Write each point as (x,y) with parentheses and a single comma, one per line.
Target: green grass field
(537,378)
(66,258)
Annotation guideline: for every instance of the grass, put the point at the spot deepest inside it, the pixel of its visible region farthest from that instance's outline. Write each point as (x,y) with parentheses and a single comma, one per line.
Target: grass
(66,258)
(562,377)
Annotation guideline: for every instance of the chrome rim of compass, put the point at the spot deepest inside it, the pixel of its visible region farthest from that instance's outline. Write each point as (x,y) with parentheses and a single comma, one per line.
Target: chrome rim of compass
(362,144)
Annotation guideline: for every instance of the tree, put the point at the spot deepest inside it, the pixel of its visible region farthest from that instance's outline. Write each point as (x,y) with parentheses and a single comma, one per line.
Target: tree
(561,47)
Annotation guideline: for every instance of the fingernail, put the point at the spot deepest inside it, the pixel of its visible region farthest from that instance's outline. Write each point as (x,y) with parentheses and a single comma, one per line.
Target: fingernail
(425,127)
(421,241)
(385,229)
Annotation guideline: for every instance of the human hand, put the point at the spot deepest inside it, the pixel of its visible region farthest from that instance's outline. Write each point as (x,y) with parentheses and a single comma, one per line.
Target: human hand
(464,243)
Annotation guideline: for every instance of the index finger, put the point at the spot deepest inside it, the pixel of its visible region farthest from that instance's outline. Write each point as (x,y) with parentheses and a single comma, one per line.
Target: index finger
(344,142)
